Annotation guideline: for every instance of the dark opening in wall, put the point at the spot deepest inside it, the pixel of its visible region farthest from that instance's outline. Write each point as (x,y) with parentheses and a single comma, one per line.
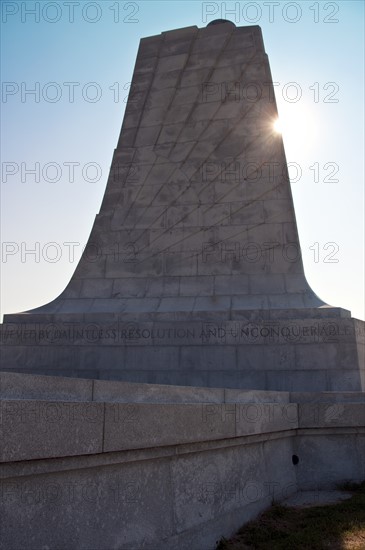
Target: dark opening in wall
(295,459)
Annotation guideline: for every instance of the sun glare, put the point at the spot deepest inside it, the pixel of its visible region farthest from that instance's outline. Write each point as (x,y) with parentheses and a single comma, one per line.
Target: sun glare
(298,127)
(277,126)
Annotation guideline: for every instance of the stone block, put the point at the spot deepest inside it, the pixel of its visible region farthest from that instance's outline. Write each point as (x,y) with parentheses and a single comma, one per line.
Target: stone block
(44,429)
(204,111)
(108,305)
(152,117)
(201,61)
(255,396)
(127,137)
(145,65)
(255,418)
(157,358)
(294,381)
(192,130)
(256,357)
(326,458)
(278,210)
(246,213)
(128,287)
(231,284)
(181,151)
(163,286)
(160,98)
(295,283)
(267,284)
(24,386)
(145,425)
(175,47)
(176,114)
(124,392)
(207,358)
(147,136)
(91,268)
(327,415)
(163,80)
(196,286)
(169,133)
(98,288)
(208,44)
(325,354)
(81,508)
(212,303)
(73,289)
(180,303)
(179,264)
(102,358)
(151,266)
(149,47)
(250,302)
(184,33)
(187,95)
(208,485)
(171,63)
(193,77)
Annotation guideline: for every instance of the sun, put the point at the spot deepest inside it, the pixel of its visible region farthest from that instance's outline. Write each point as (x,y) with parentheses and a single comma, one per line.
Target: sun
(298,127)
(278,126)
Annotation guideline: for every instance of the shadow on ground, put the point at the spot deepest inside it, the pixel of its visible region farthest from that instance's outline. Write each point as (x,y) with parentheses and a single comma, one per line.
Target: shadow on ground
(338,526)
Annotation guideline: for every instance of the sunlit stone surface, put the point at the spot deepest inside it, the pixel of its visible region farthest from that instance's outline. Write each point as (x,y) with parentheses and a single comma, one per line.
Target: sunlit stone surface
(193,274)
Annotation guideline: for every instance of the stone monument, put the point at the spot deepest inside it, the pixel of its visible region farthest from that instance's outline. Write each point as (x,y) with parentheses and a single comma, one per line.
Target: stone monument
(192,274)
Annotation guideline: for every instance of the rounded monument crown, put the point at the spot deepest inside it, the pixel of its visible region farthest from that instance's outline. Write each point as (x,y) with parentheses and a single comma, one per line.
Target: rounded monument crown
(220,21)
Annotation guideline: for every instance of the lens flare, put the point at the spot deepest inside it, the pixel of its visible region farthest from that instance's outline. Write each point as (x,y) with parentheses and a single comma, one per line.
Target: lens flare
(278,126)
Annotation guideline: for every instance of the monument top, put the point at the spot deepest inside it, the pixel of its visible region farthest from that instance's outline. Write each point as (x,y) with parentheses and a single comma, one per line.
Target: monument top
(220,21)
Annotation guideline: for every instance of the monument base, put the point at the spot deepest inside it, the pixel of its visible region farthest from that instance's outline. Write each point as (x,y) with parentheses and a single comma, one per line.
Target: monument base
(313,349)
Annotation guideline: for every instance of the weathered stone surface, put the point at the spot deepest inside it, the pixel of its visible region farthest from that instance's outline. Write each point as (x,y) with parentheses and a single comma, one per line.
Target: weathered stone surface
(178,474)
(142,425)
(323,415)
(21,386)
(124,392)
(325,456)
(43,429)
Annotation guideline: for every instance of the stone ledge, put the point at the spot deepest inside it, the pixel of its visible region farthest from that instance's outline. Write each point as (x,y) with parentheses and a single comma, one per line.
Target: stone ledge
(326,415)
(60,464)
(44,429)
(63,464)
(32,386)
(34,429)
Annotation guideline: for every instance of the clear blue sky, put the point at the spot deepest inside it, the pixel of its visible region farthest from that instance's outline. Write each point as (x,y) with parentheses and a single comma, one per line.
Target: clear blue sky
(316,45)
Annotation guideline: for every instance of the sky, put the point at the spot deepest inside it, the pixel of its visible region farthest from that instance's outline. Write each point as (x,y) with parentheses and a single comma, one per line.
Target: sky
(66,69)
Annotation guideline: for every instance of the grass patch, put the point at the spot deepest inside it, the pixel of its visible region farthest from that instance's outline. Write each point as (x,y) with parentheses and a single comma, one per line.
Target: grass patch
(338,526)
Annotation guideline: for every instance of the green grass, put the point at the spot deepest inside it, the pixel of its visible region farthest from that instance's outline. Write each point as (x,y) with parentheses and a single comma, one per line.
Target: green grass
(339,526)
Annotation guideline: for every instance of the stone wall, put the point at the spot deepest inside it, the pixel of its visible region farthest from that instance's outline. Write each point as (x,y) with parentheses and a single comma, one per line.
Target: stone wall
(109,465)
